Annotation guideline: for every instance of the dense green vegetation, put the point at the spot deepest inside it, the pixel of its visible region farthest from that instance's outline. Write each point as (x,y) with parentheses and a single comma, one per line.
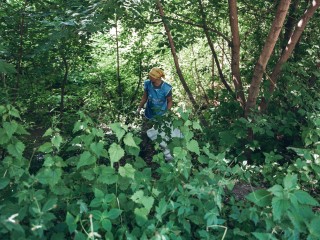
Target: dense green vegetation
(74,163)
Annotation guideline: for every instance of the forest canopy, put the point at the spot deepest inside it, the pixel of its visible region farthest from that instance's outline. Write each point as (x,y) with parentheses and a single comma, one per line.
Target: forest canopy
(74,159)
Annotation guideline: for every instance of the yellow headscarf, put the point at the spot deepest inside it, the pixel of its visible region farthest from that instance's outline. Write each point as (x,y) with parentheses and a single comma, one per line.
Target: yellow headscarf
(156,73)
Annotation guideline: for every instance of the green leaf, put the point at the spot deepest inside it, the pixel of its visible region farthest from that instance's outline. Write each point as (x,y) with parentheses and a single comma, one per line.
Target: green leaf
(161,209)
(118,130)
(139,197)
(276,190)
(114,213)
(116,153)
(264,236)
(49,176)
(314,228)
(17,149)
(50,204)
(98,193)
(56,140)
(97,148)
(106,224)
(279,207)
(261,197)
(46,148)
(290,181)
(10,128)
(107,175)
(88,174)
(305,198)
(7,68)
(71,222)
(4,182)
(49,132)
(129,141)
(141,215)
(86,158)
(127,171)
(193,146)
(196,126)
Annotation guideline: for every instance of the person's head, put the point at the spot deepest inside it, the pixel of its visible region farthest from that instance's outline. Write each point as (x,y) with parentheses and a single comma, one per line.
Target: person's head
(156,74)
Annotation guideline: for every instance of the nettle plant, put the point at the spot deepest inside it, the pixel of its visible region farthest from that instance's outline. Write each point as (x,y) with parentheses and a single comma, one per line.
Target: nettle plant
(95,185)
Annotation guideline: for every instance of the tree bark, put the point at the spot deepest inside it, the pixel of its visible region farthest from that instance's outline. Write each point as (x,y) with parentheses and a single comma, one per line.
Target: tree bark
(175,57)
(265,55)
(295,36)
(235,52)
(118,61)
(64,83)
(214,54)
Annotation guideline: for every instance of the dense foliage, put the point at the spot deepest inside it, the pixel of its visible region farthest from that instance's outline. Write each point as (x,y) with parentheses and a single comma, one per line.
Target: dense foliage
(74,162)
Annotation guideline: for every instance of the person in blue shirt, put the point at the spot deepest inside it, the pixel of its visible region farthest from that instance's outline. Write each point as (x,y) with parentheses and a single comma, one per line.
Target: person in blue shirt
(157,96)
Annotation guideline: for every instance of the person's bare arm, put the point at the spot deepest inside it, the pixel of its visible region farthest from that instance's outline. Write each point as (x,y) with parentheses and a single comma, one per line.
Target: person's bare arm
(169,102)
(143,100)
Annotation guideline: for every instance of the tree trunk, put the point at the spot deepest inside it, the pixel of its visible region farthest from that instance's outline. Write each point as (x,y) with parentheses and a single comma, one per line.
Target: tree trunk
(63,85)
(118,61)
(295,36)
(235,52)
(198,82)
(20,49)
(175,57)
(214,54)
(265,55)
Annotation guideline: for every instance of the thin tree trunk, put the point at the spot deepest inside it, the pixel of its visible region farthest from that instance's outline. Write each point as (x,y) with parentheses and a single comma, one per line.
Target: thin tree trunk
(64,83)
(265,55)
(118,61)
(20,49)
(175,57)
(289,25)
(198,82)
(235,52)
(295,36)
(214,54)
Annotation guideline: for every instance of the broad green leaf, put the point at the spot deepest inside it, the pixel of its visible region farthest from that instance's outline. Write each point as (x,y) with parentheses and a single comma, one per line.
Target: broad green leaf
(56,140)
(97,148)
(161,209)
(314,228)
(49,176)
(46,148)
(106,224)
(180,153)
(17,149)
(98,193)
(107,175)
(116,153)
(48,132)
(114,213)
(50,204)
(129,141)
(279,207)
(4,182)
(118,130)
(139,197)
(71,222)
(127,171)
(261,198)
(193,146)
(290,181)
(196,126)
(96,214)
(86,158)
(141,215)
(88,174)
(4,138)
(7,68)
(276,190)
(305,198)
(10,127)
(264,236)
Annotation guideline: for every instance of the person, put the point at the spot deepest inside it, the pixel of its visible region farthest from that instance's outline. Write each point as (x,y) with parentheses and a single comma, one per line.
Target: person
(157,96)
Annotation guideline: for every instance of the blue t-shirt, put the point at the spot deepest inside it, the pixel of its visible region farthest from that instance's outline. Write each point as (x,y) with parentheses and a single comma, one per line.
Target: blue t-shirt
(157,103)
